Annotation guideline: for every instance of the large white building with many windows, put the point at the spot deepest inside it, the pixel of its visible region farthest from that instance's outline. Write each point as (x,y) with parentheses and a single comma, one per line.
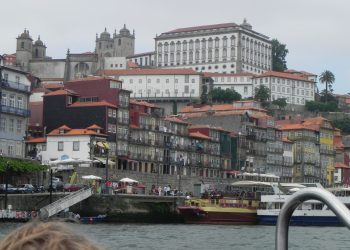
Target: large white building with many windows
(221,48)
(295,88)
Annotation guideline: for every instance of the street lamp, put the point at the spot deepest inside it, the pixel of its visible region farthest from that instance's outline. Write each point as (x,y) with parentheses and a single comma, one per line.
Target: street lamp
(6,183)
(181,164)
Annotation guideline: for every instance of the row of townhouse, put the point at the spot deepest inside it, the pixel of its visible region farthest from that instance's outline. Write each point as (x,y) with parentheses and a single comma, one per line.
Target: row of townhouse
(140,138)
(296,150)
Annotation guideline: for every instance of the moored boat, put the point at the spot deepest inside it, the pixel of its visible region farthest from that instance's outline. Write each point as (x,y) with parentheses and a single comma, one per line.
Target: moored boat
(93,219)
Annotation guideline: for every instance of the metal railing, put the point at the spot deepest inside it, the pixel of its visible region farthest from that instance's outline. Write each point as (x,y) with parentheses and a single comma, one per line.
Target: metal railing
(340,210)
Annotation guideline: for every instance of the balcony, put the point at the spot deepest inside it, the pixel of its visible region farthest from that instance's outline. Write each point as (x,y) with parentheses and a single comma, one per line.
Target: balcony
(327,151)
(15,111)
(15,86)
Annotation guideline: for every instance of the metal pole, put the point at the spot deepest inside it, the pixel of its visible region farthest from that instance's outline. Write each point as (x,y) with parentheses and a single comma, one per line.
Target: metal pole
(107,188)
(340,210)
(51,187)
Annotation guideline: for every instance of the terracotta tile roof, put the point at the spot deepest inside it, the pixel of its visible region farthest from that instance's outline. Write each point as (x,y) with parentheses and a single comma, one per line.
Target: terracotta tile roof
(72,132)
(93,78)
(204,114)
(203,27)
(61,92)
(141,71)
(50,85)
(65,127)
(131,64)
(94,126)
(175,119)
(295,127)
(314,120)
(284,75)
(217,108)
(37,140)
(199,135)
(213,74)
(207,126)
(338,142)
(341,165)
(142,103)
(92,104)
(133,126)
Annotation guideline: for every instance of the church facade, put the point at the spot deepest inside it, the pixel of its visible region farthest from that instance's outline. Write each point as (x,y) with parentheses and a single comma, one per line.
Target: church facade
(110,52)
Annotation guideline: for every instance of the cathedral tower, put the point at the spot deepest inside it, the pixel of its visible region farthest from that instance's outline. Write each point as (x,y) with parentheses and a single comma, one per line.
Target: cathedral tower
(24,50)
(39,49)
(124,43)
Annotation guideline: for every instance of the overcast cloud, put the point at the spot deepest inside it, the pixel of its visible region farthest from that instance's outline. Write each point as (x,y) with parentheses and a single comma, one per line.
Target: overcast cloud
(315,31)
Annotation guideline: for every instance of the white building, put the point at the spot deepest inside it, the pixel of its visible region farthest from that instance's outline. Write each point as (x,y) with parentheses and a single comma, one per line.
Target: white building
(66,143)
(222,48)
(239,82)
(297,89)
(156,84)
(143,59)
(14,113)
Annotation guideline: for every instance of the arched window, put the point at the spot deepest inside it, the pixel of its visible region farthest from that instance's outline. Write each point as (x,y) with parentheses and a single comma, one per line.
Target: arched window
(22,45)
(36,52)
(210,54)
(233,41)
(217,40)
(247,43)
(197,44)
(184,57)
(224,42)
(204,44)
(191,44)
(119,41)
(197,55)
(216,54)
(172,47)
(191,57)
(160,47)
(81,70)
(178,46)
(210,43)
(166,47)
(184,45)
(224,53)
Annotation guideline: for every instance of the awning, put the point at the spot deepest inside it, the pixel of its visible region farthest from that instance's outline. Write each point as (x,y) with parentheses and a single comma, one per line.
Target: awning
(103,161)
(102,144)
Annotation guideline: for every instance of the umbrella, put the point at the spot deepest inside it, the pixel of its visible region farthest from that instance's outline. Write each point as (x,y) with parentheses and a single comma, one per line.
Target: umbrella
(91,177)
(128,180)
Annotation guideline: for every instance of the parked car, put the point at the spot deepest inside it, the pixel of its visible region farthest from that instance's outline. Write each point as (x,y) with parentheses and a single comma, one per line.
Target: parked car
(39,188)
(25,188)
(72,187)
(57,185)
(10,189)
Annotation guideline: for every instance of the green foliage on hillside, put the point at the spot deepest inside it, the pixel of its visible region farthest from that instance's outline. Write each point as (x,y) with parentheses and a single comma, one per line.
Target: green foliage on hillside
(343,125)
(280,102)
(315,106)
(20,165)
(279,53)
(224,96)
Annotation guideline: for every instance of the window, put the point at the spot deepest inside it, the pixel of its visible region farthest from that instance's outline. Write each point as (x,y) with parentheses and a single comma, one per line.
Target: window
(131,81)
(167,81)
(110,112)
(60,146)
(19,126)
(4,99)
(76,145)
(224,53)
(2,124)
(187,89)
(22,45)
(217,40)
(245,90)
(12,101)
(11,125)
(193,80)
(17,79)
(158,80)
(114,113)
(187,78)
(191,45)
(140,80)
(176,80)
(148,80)
(216,54)
(224,42)
(184,45)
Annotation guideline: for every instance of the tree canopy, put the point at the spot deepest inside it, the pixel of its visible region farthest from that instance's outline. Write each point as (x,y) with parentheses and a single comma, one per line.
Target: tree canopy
(280,102)
(262,93)
(20,165)
(279,53)
(343,125)
(224,96)
(327,78)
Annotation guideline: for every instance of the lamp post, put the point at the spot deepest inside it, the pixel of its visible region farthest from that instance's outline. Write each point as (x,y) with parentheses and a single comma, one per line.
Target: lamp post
(6,183)
(51,187)
(181,165)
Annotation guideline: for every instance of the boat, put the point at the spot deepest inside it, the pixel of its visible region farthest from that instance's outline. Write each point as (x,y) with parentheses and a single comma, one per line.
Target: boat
(93,219)
(237,205)
(309,213)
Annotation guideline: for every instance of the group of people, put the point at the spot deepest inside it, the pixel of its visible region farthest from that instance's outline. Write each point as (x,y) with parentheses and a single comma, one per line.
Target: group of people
(164,191)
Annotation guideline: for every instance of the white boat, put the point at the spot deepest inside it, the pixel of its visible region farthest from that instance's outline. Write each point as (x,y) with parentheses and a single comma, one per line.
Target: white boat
(309,213)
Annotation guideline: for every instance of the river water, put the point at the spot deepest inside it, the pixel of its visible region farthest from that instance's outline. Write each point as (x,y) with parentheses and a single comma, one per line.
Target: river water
(202,237)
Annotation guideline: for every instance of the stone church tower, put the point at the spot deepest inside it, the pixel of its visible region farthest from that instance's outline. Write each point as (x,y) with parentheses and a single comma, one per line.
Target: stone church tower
(39,49)
(24,50)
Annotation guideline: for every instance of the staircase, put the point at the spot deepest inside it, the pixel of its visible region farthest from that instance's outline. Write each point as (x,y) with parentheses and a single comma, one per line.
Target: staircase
(64,203)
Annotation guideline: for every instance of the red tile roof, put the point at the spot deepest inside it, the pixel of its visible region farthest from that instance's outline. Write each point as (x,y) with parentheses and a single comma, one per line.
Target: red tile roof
(61,92)
(56,132)
(37,140)
(203,27)
(140,71)
(142,103)
(94,126)
(217,108)
(341,165)
(284,75)
(93,78)
(53,85)
(131,64)
(213,74)
(295,127)
(64,127)
(207,126)
(92,104)
(199,135)
(175,119)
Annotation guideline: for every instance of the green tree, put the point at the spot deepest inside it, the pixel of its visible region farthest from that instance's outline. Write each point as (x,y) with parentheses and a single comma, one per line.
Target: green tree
(224,96)
(280,102)
(204,95)
(328,79)
(20,165)
(279,53)
(343,125)
(262,94)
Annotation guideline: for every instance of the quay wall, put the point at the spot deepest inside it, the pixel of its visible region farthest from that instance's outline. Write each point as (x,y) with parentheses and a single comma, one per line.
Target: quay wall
(119,208)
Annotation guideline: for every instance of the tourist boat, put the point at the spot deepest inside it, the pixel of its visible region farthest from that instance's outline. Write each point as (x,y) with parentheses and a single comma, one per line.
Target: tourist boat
(309,213)
(237,205)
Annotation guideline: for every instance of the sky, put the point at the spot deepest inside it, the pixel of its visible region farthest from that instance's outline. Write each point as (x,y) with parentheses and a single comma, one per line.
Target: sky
(314,31)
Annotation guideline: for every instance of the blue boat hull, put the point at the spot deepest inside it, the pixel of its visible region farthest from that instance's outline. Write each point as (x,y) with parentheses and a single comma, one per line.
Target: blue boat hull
(302,220)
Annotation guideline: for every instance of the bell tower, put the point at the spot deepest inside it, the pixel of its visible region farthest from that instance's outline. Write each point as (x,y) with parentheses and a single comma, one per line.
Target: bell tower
(24,50)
